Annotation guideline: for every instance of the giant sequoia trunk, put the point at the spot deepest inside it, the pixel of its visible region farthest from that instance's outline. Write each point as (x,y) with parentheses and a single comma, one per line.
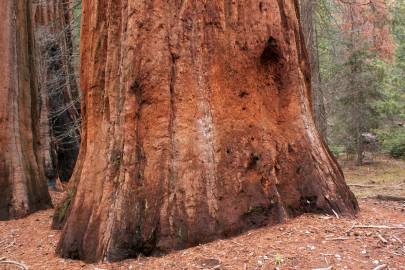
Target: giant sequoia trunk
(23,187)
(60,116)
(197,125)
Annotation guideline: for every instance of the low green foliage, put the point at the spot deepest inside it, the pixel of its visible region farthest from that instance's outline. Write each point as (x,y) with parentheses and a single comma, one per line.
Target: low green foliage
(337,150)
(393,142)
(61,211)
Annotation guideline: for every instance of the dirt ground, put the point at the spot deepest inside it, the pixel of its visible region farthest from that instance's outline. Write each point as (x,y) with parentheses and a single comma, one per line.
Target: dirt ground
(375,238)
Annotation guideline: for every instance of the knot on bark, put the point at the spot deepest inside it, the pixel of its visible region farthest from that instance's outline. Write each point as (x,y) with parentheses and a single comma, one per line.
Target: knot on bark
(271,52)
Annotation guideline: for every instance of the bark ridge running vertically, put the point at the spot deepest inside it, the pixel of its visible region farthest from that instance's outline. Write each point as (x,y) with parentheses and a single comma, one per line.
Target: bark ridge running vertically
(196,125)
(23,188)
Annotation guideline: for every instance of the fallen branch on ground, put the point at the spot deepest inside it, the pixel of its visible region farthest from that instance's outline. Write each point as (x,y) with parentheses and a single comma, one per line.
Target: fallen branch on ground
(385,241)
(337,239)
(381,267)
(18,264)
(364,186)
(396,238)
(390,198)
(373,186)
(379,227)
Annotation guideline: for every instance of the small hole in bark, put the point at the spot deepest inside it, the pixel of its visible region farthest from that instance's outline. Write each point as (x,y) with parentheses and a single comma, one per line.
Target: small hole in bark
(308,204)
(243,108)
(74,254)
(290,148)
(228,150)
(261,6)
(298,170)
(271,52)
(258,215)
(263,181)
(277,168)
(253,160)
(243,94)
(136,89)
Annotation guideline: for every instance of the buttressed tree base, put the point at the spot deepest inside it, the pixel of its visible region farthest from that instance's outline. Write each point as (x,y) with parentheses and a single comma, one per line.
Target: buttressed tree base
(197,125)
(23,188)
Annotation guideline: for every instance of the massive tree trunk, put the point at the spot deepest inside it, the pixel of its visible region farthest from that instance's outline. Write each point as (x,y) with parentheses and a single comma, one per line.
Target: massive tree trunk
(197,125)
(60,118)
(23,187)
(308,14)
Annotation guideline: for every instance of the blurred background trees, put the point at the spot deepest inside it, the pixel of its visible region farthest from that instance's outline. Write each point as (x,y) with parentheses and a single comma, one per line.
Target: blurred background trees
(357,52)
(57,31)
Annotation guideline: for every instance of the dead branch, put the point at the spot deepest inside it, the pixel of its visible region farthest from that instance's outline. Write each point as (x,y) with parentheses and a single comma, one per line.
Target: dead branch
(381,267)
(351,228)
(18,264)
(390,198)
(379,227)
(363,186)
(336,214)
(385,241)
(396,238)
(374,186)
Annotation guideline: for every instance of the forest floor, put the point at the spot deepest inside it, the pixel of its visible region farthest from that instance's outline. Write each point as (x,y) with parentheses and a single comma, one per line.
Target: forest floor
(375,238)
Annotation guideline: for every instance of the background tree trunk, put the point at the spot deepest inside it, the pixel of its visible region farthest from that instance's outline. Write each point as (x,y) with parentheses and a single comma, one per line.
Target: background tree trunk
(23,187)
(308,14)
(196,125)
(60,118)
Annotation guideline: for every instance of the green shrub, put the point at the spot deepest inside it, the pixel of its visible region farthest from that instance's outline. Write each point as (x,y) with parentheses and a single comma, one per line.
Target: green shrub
(398,150)
(337,150)
(393,142)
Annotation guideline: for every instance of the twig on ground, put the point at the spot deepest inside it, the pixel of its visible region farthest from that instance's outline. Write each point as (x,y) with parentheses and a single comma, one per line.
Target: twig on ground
(372,186)
(351,228)
(326,260)
(396,238)
(379,227)
(18,264)
(327,254)
(390,198)
(365,186)
(326,268)
(9,245)
(237,243)
(385,241)
(337,239)
(381,267)
(336,214)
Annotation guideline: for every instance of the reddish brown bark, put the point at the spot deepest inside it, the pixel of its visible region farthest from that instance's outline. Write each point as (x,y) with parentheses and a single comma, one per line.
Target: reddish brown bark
(23,187)
(197,125)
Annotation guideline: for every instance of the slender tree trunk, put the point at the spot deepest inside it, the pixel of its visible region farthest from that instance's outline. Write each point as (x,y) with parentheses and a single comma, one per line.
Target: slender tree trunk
(23,187)
(197,125)
(52,22)
(308,10)
(355,85)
